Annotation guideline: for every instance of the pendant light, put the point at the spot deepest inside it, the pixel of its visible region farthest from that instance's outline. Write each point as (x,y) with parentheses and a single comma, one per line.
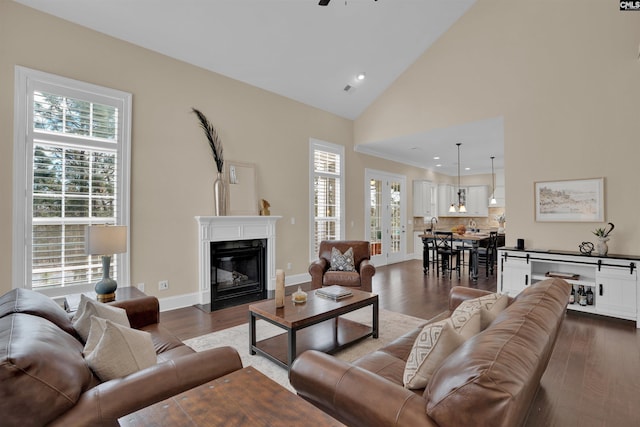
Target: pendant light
(461,206)
(493,200)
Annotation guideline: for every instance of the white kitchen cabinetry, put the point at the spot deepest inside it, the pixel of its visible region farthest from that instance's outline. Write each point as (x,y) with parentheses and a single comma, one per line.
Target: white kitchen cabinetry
(422,201)
(612,279)
(476,200)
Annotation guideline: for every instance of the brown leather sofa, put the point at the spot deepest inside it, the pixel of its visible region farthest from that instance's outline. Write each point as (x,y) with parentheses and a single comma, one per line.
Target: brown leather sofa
(360,279)
(44,379)
(490,380)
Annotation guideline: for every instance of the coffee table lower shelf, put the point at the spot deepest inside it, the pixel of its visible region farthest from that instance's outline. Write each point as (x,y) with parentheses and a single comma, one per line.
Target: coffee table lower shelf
(329,336)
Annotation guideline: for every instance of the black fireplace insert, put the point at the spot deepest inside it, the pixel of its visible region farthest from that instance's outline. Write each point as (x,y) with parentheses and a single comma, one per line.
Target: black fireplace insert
(238,272)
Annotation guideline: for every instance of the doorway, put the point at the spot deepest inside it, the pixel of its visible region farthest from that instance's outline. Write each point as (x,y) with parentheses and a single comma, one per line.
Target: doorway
(384,216)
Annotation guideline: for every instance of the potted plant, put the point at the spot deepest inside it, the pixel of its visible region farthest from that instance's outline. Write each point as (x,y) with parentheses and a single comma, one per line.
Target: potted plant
(603,238)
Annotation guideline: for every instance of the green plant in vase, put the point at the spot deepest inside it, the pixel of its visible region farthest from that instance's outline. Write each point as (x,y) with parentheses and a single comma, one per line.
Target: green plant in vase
(603,237)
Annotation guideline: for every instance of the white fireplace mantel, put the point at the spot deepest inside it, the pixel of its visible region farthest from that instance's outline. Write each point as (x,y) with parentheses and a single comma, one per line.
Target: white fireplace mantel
(231,228)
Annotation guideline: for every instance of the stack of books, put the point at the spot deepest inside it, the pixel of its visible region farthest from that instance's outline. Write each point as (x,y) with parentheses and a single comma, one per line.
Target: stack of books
(334,292)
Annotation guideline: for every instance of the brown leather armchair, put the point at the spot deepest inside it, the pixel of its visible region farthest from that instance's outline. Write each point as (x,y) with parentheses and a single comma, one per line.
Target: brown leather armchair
(360,279)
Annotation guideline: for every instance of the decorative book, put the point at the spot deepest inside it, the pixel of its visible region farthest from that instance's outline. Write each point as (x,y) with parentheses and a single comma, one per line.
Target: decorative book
(569,276)
(334,292)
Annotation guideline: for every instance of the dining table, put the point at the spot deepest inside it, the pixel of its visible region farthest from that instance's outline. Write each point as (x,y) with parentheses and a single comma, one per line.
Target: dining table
(475,239)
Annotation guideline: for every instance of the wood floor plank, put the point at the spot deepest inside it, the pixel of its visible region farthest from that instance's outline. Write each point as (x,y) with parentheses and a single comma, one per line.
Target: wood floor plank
(593,375)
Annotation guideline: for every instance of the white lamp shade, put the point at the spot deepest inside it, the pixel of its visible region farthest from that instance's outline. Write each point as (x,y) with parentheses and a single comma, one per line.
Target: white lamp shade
(463,208)
(105,239)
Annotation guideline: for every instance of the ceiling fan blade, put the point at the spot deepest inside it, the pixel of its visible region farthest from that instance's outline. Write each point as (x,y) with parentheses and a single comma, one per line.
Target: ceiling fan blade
(323,2)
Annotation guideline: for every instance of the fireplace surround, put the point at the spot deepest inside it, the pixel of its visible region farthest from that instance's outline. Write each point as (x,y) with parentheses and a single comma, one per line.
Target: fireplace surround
(234,229)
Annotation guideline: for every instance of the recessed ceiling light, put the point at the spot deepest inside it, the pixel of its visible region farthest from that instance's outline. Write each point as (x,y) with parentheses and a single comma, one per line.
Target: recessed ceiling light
(361,76)
(467,169)
(438,165)
(436,158)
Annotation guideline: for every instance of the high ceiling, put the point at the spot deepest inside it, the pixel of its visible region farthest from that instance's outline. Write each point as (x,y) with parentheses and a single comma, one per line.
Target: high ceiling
(294,48)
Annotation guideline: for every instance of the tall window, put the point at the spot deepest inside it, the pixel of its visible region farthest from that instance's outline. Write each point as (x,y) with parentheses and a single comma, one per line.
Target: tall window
(71,170)
(327,193)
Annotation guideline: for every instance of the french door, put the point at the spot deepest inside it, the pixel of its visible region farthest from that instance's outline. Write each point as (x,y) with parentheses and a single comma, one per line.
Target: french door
(384,216)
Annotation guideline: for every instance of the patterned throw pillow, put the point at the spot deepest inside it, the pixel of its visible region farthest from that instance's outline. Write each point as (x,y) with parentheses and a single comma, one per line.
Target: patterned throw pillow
(466,323)
(340,261)
(434,344)
(488,305)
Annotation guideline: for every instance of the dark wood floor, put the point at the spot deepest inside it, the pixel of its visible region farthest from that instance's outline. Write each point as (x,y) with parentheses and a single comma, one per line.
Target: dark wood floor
(593,377)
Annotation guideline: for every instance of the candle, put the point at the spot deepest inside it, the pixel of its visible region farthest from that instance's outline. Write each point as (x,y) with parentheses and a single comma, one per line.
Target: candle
(279,288)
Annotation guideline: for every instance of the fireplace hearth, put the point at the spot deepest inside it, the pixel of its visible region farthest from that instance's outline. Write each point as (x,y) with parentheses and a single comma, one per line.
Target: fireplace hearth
(238,272)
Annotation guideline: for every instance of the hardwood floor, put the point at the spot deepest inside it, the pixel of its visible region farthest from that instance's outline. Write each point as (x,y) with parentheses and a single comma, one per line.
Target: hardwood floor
(593,376)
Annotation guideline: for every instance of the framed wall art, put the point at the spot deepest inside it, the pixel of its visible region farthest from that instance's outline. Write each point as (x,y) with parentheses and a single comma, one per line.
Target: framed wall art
(242,195)
(579,200)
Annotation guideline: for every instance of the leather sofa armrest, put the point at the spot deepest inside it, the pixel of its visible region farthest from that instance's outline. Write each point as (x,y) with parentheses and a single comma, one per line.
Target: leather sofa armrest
(337,387)
(105,403)
(316,270)
(458,294)
(141,311)
(367,270)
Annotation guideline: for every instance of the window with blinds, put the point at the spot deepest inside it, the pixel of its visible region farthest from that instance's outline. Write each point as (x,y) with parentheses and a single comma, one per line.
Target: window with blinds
(327,193)
(74,150)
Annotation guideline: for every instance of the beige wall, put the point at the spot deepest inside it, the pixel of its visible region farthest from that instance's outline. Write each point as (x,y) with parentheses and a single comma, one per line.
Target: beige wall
(566,77)
(172,168)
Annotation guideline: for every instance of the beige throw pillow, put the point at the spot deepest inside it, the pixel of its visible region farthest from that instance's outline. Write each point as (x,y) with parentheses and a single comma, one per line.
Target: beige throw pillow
(89,307)
(119,351)
(466,323)
(434,344)
(488,305)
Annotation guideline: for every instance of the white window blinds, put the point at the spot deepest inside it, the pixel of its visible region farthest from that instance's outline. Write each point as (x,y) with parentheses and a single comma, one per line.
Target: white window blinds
(327,194)
(76,155)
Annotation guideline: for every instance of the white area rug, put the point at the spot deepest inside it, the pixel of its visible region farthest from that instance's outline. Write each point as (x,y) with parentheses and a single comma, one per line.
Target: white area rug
(391,326)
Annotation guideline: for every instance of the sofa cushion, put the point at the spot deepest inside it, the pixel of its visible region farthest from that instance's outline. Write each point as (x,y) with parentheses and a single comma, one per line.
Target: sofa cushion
(432,346)
(31,302)
(119,350)
(342,278)
(89,307)
(42,371)
(495,374)
(466,323)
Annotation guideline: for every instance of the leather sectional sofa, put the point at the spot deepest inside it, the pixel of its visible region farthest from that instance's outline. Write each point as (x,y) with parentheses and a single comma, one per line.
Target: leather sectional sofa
(44,379)
(491,379)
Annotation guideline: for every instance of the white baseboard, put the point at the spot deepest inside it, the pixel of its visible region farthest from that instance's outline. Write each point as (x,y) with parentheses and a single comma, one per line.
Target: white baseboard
(187,300)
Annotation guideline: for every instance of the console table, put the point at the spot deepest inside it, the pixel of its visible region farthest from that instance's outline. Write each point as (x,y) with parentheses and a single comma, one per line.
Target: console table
(612,278)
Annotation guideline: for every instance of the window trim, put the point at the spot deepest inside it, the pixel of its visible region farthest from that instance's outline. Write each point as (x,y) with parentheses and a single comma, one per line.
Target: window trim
(316,144)
(26,80)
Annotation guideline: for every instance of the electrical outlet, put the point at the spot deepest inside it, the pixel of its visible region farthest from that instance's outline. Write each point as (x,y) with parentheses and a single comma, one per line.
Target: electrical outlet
(163,285)
(140,286)
(288,266)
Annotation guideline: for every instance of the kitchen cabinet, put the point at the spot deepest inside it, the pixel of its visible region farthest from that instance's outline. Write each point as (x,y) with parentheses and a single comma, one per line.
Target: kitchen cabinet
(423,198)
(476,200)
(612,279)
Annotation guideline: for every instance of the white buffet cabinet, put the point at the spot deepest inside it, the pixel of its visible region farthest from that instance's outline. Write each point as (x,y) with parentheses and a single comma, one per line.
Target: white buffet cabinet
(612,279)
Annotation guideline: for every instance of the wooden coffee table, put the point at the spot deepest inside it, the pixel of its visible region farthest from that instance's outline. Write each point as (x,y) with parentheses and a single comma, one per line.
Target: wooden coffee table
(315,324)
(242,398)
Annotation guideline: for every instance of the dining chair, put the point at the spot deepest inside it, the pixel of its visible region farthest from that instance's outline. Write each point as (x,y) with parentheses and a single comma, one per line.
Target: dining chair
(487,255)
(446,251)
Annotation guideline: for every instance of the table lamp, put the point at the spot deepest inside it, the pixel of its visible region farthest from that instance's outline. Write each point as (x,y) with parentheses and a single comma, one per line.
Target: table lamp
(105,240)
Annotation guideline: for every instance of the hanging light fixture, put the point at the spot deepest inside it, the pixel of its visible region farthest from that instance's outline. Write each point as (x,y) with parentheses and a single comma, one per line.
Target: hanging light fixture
(461,206)
(493,200)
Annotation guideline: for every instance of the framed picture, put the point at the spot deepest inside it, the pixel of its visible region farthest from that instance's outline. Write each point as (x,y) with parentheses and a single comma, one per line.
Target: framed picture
(242,194)
(579,200)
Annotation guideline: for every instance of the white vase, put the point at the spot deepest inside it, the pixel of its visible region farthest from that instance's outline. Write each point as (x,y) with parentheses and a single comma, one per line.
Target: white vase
(219,196)
(602,246)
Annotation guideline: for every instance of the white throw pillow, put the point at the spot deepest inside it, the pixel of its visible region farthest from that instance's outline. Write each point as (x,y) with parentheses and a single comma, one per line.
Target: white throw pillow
(488,305)
(89,307)
(435,343)
(120,351)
